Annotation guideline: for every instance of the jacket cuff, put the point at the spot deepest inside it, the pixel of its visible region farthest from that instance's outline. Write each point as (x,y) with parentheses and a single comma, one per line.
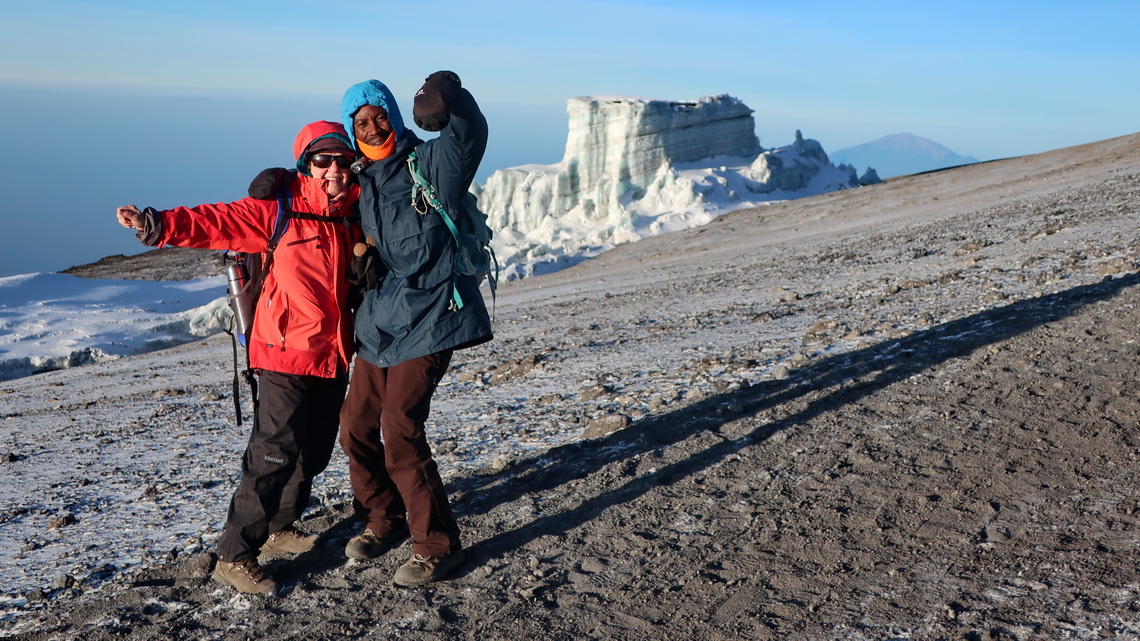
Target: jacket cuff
(151,233)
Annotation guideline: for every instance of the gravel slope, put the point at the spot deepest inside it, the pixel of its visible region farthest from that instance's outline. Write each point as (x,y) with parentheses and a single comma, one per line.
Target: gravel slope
(902,411)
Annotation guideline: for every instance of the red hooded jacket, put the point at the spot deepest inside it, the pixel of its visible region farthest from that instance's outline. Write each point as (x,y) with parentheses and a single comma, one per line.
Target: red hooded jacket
(302,324)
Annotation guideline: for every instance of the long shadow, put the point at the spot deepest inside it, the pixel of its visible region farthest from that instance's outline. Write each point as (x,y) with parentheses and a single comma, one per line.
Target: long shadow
(853,376)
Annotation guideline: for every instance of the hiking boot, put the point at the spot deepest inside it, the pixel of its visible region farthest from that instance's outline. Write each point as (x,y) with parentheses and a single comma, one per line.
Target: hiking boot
(369,544)
(291,541)
(421,570)
(245,576)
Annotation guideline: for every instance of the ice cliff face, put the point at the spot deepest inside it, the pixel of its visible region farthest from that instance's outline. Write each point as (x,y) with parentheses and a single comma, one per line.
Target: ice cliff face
(635,168)
(617,145)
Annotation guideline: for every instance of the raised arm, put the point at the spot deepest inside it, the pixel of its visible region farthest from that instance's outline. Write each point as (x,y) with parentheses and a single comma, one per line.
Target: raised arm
(442,104)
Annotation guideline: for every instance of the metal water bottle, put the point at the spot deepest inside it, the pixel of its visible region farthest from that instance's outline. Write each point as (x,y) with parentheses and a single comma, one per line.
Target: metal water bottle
(240,300)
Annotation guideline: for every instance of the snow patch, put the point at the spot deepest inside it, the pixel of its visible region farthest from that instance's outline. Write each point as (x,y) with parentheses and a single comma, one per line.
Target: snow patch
(56,321)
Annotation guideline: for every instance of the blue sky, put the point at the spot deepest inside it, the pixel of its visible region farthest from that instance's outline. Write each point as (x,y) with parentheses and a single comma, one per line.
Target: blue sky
(163,104)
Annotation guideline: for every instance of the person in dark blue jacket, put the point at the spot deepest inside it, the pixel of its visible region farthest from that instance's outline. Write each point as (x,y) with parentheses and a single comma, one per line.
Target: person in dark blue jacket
(408,325)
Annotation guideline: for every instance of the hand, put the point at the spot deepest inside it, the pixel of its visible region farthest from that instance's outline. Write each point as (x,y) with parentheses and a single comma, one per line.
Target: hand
(449,76)
(271,183)
(367,268)
(129,217)
(431,107)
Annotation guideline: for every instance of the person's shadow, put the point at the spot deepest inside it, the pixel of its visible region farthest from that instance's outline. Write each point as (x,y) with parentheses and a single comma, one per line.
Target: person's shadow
(841,379)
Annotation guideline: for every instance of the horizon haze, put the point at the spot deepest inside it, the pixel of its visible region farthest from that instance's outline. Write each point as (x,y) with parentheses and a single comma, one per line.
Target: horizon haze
(109,102)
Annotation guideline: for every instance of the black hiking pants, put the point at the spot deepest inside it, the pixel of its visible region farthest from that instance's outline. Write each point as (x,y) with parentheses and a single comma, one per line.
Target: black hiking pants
(294,431)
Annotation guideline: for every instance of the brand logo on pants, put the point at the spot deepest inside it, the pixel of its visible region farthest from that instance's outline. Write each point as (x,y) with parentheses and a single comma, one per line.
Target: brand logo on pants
(279,461)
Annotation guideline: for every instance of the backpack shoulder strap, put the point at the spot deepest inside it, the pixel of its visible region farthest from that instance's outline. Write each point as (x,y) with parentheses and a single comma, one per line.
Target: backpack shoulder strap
(422,188)
(284,213)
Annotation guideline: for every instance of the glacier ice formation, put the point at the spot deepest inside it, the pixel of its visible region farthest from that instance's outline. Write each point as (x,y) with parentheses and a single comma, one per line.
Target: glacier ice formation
(636,167)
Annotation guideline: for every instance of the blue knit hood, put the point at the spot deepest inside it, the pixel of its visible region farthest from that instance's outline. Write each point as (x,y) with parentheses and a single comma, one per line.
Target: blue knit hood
(370,92)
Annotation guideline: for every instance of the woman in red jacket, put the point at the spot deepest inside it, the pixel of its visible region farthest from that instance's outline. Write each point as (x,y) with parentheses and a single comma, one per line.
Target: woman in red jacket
(300,344)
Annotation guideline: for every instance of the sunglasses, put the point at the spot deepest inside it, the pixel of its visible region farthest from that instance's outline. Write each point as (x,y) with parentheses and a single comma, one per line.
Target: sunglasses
(324,161)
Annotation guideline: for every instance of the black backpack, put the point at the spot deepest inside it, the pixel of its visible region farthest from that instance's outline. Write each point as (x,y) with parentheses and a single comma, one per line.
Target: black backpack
(245,274)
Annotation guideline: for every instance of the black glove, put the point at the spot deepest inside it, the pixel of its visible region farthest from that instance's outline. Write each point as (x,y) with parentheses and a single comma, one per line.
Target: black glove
(271,183)
(367,268)
(430,108)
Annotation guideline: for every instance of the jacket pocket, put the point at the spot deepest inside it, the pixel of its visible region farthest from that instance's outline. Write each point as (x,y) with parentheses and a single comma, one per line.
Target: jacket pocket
(277,307)
(368,325)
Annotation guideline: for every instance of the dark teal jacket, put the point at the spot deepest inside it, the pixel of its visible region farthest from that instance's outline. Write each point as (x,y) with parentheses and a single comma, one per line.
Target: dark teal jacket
(409,314)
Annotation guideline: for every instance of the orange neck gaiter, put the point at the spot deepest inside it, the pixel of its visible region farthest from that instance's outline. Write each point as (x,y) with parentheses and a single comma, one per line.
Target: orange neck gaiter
(378,153)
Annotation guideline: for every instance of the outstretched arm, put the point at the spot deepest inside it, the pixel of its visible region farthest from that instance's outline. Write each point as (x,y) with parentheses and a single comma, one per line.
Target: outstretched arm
(242,225)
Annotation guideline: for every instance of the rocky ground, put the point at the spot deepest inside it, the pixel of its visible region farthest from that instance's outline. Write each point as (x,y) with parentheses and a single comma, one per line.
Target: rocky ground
(167,263)
(906,411)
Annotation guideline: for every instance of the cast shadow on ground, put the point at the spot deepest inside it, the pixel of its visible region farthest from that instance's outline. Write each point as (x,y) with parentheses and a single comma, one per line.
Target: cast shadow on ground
(836,380)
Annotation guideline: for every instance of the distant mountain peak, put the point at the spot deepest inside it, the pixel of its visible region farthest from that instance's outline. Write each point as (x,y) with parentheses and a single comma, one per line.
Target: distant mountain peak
(900,154)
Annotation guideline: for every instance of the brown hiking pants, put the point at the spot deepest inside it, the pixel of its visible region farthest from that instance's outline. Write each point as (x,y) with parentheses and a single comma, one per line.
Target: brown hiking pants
(389,460)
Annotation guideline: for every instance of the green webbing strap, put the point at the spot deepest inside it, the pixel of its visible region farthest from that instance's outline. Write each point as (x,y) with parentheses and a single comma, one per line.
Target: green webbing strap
(423,186)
